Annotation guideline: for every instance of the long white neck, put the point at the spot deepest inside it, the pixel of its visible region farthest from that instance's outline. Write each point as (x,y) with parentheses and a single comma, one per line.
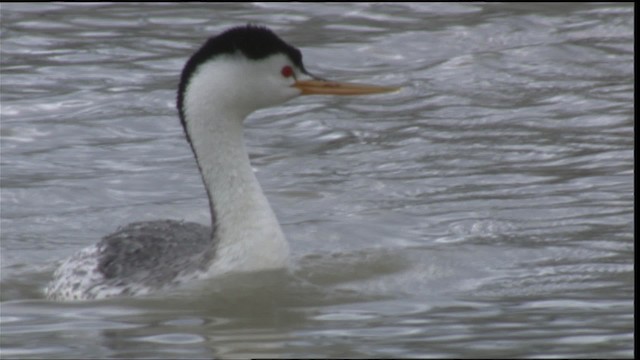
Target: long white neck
(246,230)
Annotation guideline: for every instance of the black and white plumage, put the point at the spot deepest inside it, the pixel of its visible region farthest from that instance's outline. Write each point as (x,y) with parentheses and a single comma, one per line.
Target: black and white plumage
(230,76)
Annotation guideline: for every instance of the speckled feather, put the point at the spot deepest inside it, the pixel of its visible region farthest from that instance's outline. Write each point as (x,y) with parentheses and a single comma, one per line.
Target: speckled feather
(136,259)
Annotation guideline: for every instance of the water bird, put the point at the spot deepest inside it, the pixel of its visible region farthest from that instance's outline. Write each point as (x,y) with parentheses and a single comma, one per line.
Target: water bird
(241,70)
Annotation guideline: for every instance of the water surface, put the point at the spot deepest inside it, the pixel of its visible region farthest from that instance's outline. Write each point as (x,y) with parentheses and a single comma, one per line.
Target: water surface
(486,210)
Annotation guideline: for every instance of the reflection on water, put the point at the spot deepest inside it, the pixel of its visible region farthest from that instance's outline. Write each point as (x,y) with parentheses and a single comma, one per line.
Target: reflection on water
(484,210)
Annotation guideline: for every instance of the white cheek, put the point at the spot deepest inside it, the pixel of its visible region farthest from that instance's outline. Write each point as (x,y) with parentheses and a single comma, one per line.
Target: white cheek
(290,90)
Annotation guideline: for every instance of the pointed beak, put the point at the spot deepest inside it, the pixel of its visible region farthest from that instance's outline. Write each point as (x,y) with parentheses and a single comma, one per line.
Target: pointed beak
(322,87)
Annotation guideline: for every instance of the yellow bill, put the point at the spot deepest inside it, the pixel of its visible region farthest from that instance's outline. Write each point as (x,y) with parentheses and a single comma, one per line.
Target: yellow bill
(322,87)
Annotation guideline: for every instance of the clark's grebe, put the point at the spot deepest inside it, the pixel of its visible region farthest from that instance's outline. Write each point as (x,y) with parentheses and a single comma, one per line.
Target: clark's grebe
(233,74)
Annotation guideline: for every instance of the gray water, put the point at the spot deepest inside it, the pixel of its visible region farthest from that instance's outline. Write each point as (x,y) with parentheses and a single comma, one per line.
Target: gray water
(486,210)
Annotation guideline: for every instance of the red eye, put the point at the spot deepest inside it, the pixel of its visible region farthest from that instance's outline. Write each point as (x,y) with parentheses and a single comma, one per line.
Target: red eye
(287,71)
